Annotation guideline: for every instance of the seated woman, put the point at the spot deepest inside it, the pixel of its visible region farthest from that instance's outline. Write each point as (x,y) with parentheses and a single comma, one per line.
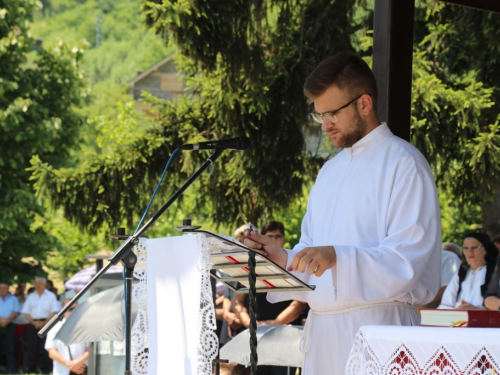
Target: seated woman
(468,286)
(492,297)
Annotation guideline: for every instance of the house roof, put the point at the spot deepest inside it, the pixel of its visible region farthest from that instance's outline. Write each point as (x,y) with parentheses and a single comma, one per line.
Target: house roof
(152,69)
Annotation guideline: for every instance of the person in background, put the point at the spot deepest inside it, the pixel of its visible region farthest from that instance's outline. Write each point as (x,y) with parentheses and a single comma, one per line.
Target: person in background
(22,325)
(70,359)
(231,324)
(53,289)
(454,248)
(286,312)
(9,309)
(275,230)
(496,242)
(492,296)
(450,264)
(39,308)
(467,288)
(238,233)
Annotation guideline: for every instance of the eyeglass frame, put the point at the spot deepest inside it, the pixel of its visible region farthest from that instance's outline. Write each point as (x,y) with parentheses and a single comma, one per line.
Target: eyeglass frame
(319,117)
(472,248)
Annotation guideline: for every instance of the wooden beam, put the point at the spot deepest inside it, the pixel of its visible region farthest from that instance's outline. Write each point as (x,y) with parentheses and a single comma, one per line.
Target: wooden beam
(392,62)
(487,5)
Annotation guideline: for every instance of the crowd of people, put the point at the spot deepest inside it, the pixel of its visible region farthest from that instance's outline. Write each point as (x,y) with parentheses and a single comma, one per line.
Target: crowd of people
(22,316)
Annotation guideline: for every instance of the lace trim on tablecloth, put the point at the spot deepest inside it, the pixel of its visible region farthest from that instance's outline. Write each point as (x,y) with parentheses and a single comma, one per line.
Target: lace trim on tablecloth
(363,361)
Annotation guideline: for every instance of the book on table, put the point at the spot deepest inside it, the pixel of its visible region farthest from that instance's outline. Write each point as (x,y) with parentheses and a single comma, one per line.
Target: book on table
(460,318)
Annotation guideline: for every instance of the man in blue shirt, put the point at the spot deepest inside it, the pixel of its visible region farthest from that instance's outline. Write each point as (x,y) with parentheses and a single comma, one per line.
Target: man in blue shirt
(9,309)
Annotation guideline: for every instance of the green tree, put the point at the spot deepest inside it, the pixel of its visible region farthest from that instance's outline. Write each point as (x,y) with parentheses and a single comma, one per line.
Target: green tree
(456,105)
(244,71)
(38,92)
(244,63)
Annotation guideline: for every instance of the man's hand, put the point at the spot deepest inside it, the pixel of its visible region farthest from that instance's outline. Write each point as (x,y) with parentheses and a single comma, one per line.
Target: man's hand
(4,322)
(76,366)
(272,250)
(232,320)
(316,259)
(464,305)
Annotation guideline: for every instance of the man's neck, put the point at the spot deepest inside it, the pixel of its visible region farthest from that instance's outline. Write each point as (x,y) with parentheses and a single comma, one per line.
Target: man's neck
(40,293)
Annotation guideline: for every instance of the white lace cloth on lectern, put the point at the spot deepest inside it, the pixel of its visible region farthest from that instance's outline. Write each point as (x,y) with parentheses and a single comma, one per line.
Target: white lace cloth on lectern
(140,333)
(454,351)
(209,342)
(208,346)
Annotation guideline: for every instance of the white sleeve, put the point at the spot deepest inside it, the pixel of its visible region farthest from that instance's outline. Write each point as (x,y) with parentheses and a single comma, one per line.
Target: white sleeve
(406,264)
(26,306)
(449,299)
(49,342)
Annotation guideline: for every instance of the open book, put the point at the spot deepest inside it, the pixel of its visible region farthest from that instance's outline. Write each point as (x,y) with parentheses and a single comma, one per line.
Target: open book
(460,318)
(230,259)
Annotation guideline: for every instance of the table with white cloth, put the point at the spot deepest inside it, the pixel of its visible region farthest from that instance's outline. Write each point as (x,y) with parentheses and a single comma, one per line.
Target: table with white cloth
(398,350)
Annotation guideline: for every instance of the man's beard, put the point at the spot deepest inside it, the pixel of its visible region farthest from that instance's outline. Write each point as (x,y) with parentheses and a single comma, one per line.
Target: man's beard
(355,131)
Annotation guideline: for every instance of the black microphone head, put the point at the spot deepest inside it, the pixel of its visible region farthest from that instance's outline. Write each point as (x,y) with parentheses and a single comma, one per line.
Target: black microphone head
(244,143)
(237,143)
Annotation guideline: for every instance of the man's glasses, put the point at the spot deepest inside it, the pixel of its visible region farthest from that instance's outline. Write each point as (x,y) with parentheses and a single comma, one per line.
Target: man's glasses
(330,116)
(473,248)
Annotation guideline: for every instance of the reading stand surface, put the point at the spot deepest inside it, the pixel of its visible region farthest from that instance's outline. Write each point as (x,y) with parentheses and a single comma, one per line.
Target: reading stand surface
(231,259)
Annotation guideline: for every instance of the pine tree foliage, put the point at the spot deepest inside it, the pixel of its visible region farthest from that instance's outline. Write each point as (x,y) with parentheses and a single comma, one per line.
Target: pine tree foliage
(460,102)
(456,104)
(244,64)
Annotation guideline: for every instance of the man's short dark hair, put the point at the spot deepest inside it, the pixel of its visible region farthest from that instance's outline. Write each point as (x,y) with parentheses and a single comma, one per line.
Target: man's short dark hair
(272,226)
(348,72)
(4,282)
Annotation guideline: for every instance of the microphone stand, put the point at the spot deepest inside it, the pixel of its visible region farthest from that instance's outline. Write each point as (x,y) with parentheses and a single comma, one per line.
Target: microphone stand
(126,254)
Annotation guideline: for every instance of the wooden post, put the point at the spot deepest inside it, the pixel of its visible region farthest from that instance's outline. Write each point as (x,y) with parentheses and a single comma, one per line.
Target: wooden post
(392,62)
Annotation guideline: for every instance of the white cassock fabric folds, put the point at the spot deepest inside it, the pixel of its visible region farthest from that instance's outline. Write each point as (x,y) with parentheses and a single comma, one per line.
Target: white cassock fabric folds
(174,289)
(376,203)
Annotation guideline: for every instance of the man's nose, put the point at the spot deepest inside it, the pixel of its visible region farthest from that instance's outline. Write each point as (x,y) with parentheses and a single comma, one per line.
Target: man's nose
(326,124)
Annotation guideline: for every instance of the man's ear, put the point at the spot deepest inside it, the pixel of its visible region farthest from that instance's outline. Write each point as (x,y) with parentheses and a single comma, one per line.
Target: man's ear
(365,104)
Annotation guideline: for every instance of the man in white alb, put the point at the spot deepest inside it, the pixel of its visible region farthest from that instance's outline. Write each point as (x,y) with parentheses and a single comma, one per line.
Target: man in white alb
(371,236)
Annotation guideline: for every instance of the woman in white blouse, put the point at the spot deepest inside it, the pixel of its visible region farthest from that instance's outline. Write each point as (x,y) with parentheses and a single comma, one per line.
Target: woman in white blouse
(468,286)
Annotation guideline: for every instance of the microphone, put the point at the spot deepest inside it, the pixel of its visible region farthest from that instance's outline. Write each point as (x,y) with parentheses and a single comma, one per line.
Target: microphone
(238,143)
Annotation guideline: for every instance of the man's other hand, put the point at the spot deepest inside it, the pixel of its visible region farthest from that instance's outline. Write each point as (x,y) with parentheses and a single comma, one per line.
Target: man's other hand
(264,243)
(314,260)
